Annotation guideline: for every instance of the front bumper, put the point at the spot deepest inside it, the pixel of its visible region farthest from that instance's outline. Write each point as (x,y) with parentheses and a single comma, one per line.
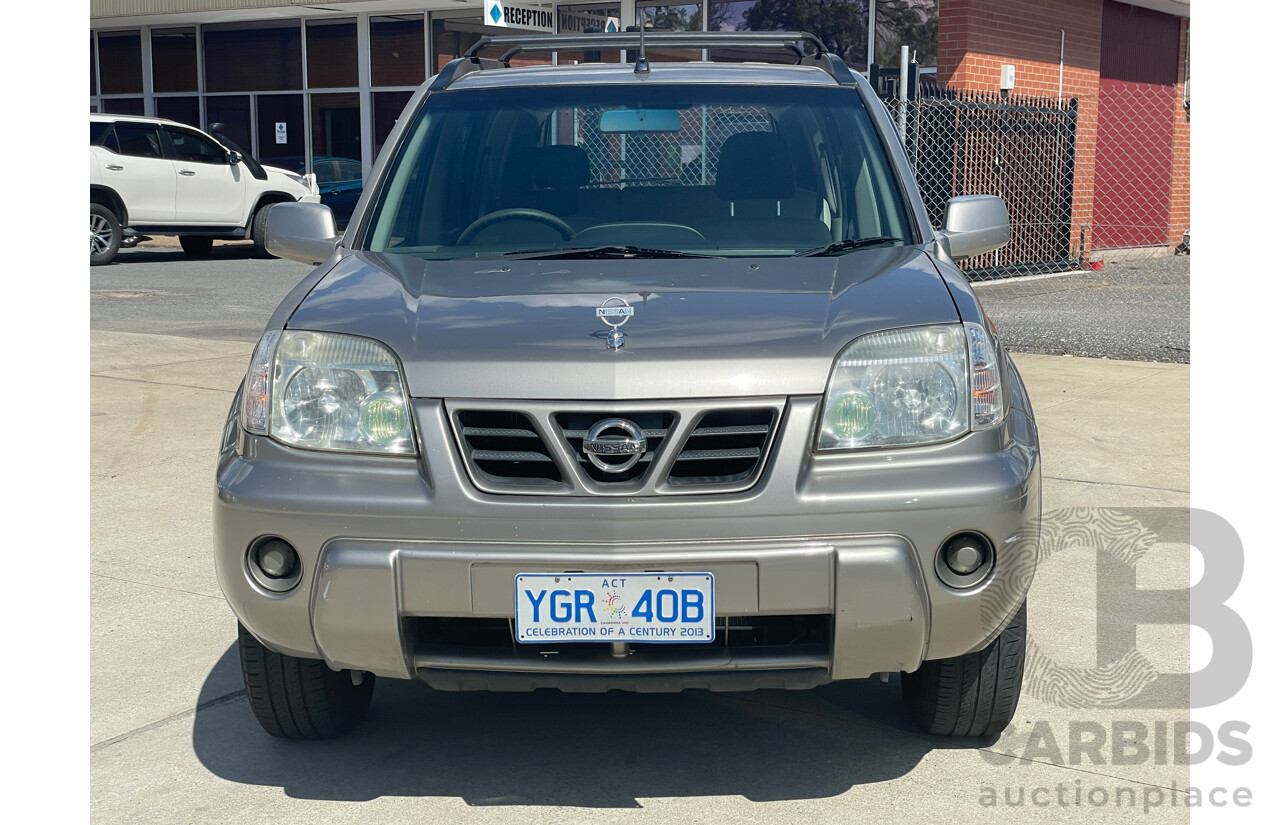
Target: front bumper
(388,542)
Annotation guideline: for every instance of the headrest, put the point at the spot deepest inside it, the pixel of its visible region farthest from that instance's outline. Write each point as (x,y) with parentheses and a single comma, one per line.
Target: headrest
(561,167)
(754,166)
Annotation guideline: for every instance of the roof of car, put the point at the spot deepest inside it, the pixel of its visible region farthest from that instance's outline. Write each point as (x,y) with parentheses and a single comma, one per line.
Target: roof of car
(696,72)
(109,118)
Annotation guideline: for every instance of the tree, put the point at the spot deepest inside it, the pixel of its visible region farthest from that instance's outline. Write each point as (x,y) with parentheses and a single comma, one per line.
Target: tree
(912,23)
(842,25)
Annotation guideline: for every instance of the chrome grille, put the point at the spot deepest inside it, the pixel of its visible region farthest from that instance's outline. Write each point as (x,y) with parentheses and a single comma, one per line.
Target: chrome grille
(691,447)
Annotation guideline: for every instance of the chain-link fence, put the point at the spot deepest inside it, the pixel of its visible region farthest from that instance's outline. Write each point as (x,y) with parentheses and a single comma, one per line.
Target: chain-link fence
(1098,193)
(689,156)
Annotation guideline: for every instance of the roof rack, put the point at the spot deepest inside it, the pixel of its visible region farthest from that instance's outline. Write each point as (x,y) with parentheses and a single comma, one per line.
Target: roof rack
(792,41)
(795,42)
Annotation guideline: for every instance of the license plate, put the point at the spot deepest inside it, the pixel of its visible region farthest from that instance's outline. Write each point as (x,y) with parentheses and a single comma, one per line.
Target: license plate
(615,607)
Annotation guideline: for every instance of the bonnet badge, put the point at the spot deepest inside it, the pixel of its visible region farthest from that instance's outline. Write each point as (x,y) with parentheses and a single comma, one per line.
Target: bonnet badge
(615,312)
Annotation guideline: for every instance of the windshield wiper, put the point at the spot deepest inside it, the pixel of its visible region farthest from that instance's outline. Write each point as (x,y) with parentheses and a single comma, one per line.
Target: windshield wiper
(610,251)
(846,246)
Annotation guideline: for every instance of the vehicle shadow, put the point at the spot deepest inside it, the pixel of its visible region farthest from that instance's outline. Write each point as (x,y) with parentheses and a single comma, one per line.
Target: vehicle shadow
(220,251)
(583,750)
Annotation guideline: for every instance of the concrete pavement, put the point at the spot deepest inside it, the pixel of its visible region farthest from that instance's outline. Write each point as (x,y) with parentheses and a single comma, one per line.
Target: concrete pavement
(172,739)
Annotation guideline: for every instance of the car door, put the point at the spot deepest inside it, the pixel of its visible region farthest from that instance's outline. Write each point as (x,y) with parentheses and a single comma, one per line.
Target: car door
(210,191)
(131,161)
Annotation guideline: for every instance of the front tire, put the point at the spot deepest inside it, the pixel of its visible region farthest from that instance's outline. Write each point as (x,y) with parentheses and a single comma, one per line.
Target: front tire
(971,695)
(197,246)
(259,232)
(300,698)
(105,235)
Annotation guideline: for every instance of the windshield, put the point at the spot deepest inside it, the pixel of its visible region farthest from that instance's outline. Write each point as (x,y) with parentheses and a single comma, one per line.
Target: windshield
(638,171)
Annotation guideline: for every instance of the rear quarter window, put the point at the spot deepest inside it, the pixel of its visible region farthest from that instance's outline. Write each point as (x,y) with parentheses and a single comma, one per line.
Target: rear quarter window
(102,134)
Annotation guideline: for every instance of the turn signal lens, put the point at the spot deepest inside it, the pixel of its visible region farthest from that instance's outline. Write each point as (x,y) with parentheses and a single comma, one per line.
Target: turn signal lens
(984,377)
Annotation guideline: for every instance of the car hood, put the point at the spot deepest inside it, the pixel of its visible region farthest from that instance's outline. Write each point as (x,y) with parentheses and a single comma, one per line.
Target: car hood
(281,178)
(701,327)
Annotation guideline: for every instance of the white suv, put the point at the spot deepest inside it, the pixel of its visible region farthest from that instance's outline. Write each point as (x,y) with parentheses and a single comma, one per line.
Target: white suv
(150,176)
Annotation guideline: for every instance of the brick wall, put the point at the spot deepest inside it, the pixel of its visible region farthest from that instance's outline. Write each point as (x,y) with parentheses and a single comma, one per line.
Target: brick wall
(976,37)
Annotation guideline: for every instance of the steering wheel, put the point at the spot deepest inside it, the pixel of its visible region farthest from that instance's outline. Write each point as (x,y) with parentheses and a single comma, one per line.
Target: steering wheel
(520,214)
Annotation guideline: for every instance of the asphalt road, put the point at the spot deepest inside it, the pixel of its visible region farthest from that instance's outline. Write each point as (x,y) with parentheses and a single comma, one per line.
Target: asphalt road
(228,296)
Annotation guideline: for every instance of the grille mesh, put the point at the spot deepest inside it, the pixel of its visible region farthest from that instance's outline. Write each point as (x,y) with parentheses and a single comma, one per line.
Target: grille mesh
(726,446)
(506,447)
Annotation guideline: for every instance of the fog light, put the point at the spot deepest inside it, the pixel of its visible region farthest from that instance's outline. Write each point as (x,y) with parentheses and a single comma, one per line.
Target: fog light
(964,560)
(274,564)
(276,558)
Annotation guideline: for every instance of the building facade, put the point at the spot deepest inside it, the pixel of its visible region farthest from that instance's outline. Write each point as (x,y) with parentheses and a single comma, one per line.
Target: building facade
(1126,65)
(318,87)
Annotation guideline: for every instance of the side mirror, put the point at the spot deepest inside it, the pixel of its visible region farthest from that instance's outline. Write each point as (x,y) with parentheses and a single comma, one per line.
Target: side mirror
(233,157)
(974,224)
(303,232)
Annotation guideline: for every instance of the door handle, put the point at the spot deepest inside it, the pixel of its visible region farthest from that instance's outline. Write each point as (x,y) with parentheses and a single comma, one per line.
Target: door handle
(186,172)
(115,167)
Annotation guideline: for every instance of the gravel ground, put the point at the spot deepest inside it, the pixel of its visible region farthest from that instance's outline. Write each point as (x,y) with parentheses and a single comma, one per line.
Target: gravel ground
(1133,310)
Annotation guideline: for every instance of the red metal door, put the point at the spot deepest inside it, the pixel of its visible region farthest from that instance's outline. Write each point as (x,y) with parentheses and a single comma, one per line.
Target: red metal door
(1137,103)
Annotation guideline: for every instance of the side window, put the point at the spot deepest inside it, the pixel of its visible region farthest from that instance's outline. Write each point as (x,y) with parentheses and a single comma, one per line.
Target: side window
(104,135)
(138,139)
(192,147)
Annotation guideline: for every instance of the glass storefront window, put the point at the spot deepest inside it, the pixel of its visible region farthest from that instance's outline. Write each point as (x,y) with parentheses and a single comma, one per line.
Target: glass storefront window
(331,53)
(452,36)
(93,66)
(228,115)
(682,17)
(574,19)
(120,63)
(173,60)
(736,16)
(182,109)
(123,106)
(253,57)
(335,152)
(397,50)
(387,107)
(335,126)
(288,153)
(913,23)
(670,17)
(840,24)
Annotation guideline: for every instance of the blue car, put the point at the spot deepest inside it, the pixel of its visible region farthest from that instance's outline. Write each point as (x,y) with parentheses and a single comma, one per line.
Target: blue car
(341,180)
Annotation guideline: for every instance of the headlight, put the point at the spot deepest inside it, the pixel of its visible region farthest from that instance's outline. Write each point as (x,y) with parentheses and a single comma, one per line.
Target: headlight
(327,392)
(919,385)
(295,178)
